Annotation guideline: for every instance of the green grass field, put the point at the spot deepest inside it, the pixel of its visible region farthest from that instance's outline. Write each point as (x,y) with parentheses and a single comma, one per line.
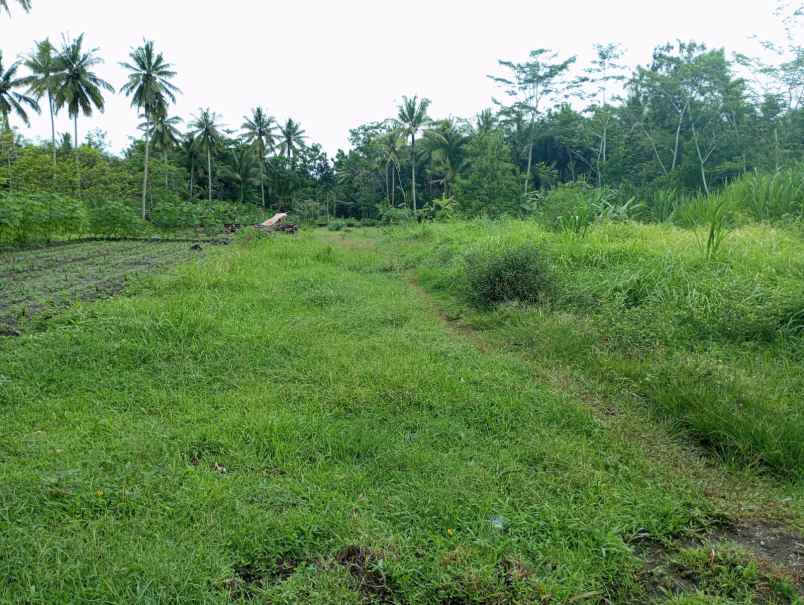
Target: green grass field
(716,346)
(326,419)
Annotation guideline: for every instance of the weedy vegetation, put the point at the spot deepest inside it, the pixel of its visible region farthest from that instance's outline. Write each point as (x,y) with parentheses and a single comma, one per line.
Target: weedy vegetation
(549,354)
(287,420)
(707,338)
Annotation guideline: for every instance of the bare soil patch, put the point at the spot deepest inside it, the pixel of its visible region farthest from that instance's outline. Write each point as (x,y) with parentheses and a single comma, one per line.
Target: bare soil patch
(36,283)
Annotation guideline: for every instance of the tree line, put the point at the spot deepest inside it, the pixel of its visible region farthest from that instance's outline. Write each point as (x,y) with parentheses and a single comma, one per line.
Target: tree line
(691,120)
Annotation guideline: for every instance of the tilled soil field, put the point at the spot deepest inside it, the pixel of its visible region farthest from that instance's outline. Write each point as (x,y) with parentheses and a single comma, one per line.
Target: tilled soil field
(35,283)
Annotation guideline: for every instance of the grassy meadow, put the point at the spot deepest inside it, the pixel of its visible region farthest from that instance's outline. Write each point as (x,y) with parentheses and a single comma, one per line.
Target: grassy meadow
(354,417)
(714,345)
(551,352)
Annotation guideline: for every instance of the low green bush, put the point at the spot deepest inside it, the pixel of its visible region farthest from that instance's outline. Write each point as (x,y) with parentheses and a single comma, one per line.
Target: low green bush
(40,217)
(506,274)
(336,225)
(250,234)
(115,218)
(396,216)
(10,219)
(574,207)
(176,214)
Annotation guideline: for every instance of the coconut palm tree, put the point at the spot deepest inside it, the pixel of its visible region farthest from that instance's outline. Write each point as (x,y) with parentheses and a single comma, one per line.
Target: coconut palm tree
(25,4)
(259,131)
(445,141)
(243,169)
(188,148)
(485,122)
(412,118)
(291,139)
(164,133)
(14,102)
(391,144)
(78,88)
(150,88)
(44,66)
(206,131)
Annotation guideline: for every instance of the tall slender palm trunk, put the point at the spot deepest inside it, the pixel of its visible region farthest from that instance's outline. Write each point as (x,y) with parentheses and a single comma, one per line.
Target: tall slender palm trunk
(8,135)
(75,154)
(530,165)
(262,182)
(401,186)
(4,134)
(209,174)
(145,172)
(52,128)
(413,168)
(387,185)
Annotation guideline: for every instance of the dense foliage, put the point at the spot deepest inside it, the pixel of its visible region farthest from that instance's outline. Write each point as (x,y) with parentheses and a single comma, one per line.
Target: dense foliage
(690,122)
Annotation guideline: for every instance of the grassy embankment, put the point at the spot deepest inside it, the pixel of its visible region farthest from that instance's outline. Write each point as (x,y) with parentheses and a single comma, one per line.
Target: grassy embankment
(715,346)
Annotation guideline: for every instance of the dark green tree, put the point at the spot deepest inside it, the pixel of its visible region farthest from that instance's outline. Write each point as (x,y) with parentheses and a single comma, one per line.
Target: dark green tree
(165,135)
(490,185)
(13,102)
(530,85)
(243,169)
(446,140)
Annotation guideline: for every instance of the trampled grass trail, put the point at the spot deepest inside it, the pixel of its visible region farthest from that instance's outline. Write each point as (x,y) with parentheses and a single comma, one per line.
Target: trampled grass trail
(287,421)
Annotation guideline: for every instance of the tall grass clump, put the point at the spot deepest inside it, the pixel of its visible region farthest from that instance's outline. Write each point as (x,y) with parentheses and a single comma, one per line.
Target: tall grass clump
(770,196)
(574,207)
(717,226)
(713,214)
(662,205)
(733,419)
(506,273)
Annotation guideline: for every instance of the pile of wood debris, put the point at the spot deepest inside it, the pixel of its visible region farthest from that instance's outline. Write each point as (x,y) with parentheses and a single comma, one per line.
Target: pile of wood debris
(275,223)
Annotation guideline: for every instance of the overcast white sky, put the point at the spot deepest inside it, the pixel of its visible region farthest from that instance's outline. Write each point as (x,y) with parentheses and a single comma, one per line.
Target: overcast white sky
(335,64)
